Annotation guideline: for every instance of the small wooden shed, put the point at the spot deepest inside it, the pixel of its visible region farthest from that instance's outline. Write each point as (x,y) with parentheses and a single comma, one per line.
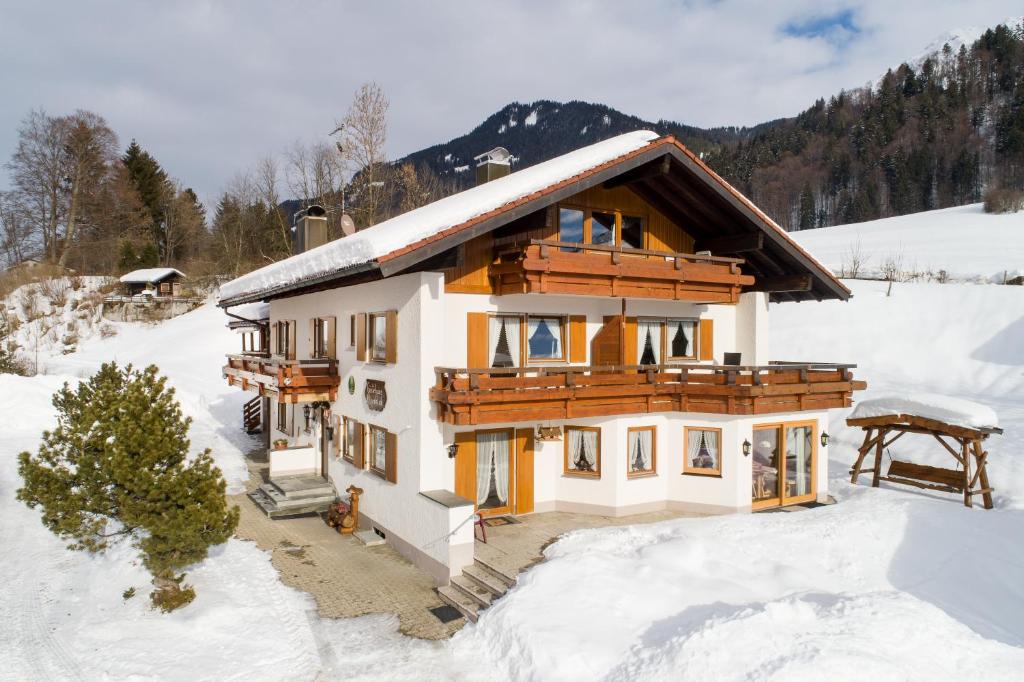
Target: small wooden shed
(159,282)
(965,423)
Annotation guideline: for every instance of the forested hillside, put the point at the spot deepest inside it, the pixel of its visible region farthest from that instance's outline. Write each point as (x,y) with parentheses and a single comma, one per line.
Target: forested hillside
(926,136)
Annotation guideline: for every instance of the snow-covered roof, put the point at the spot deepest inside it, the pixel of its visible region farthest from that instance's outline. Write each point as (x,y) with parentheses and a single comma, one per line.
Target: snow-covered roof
(946,409)
(250,311)
(427,221)
(149,275)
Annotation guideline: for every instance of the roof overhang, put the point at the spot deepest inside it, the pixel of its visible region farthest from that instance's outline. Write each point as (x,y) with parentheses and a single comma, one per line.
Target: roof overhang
(665,174)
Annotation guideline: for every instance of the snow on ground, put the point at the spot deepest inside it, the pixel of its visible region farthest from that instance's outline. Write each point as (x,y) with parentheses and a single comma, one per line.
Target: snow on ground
(891,584)
(966,242)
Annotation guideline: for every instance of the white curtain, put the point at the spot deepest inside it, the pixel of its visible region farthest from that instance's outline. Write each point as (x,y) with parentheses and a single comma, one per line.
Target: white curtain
(575,436)
(798,459)
(711,443)
(511,327)
(544,337)
(680,338)
(491,450)
(693,440)
(649,341)
(640,444)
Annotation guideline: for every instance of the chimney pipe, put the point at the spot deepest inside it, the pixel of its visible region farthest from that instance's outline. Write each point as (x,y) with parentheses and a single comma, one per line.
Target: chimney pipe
(310,230)
(492,165)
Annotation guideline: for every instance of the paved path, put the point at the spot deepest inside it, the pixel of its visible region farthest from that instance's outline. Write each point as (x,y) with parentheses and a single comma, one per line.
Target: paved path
(345,577)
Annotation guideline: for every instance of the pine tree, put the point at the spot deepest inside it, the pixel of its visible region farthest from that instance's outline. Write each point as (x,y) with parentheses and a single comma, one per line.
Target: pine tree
(115,467)
(127,261)
(150,256)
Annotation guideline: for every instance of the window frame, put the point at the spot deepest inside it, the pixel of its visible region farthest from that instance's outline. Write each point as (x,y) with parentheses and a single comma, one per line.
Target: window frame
(588,225)
(694,340)
(690,470)
(372,430)
(524,337)
(345,440)
(653,471)
(566,471)
(352,331)
(282,418)
(321,338)
(371,336)
(283,338)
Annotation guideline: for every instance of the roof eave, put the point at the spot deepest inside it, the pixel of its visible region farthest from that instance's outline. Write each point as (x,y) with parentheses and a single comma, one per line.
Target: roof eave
(285,289)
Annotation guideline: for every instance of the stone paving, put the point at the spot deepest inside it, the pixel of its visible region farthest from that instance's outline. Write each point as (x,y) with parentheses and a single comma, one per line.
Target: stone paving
(345,577)
(348,579)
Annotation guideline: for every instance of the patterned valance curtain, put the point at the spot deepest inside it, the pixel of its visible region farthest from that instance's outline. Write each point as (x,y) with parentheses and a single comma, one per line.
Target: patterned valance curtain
(649,341)
(503,341)
(640,449)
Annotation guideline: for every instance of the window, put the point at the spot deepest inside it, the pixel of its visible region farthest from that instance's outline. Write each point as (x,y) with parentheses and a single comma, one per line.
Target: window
(504,336)
(640,442)
(378,337)
(703,451)
(509,346)
(324,343)
(583,451)
(633,232)
(351,331)
(680,339)
(284,336)
(282,417)
(602,228)
(659,340)
(352,445)
(570,226)
(378,450)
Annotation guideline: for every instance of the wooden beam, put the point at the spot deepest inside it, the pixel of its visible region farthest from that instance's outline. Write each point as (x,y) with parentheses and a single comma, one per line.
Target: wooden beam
(651,170)
(739,243)
(784,283)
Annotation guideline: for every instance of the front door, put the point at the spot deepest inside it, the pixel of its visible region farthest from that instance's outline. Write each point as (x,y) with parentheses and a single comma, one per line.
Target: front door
(495,455)
(323,422)
(784,462)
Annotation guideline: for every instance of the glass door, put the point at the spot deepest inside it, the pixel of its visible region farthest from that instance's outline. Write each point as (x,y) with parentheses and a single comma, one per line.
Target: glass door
(783,464)
(494,490)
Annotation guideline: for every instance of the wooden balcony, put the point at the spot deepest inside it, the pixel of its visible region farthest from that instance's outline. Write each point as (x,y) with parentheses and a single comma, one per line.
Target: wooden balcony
(526,394)
(289,381)
(552,267)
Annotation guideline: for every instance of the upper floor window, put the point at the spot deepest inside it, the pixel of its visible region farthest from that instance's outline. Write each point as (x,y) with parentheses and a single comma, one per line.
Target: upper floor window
(660,339)
(284,332)
(323,337)
(515,339)
(603,228)
(379,337)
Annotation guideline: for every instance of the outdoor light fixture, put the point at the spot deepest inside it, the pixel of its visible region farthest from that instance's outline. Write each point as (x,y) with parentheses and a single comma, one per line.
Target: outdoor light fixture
(824,439)
(306,409)
(453,450)
(746,448)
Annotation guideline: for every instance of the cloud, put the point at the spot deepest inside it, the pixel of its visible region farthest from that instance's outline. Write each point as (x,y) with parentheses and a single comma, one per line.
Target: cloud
(209,87)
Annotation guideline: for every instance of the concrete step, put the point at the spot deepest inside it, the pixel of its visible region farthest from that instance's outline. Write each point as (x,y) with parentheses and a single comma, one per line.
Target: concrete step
(475,592)
(508,579)
(485,580)
(297,487)
(276,508)
(463,604)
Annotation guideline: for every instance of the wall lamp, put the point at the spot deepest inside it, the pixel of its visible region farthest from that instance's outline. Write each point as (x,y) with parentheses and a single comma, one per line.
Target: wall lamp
(824,439)
(453,450)
(746,448)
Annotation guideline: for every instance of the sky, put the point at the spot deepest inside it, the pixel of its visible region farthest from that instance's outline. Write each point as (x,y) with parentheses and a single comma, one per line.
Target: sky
(210,87)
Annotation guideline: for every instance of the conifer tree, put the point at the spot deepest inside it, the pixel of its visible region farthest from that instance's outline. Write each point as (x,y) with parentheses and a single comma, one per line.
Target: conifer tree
(127,261)
(116,468)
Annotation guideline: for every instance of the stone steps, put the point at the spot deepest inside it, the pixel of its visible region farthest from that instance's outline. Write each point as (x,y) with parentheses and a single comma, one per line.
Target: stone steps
(293,496)
(479,586)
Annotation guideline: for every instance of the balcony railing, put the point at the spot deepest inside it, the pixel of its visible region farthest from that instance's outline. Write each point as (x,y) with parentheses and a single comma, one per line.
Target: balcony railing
(522,394)
(553,267)
(290,381)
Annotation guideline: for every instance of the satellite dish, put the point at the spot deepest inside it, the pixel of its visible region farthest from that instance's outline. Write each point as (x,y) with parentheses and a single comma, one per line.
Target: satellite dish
(348,226)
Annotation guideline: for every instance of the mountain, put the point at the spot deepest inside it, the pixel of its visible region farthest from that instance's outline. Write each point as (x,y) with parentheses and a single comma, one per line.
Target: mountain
(932,133)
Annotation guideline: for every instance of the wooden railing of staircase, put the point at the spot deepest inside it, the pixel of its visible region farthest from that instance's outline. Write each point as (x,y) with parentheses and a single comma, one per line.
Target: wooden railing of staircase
(252,418)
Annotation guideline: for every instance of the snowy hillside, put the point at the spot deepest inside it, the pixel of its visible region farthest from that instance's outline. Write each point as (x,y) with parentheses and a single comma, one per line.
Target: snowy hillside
(965,242)
(876,586)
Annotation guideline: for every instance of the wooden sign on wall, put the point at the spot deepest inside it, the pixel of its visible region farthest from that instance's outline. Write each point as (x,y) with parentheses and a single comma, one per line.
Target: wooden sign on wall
(376,395)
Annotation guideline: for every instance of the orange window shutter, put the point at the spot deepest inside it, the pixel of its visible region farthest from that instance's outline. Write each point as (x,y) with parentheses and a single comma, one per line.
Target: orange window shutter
(605,346)
(524,471)
(629,342)
(361,336)
(391,457)
(391,337)
(332,337)
(359,459)
(706,343)
(292,329)
(311,347)
(577,338)
(465,465)
(273,338)
(476,341)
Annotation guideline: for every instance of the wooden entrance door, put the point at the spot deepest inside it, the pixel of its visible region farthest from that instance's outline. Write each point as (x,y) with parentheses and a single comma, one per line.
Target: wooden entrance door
(784,464)
(494,470)
(323,421)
